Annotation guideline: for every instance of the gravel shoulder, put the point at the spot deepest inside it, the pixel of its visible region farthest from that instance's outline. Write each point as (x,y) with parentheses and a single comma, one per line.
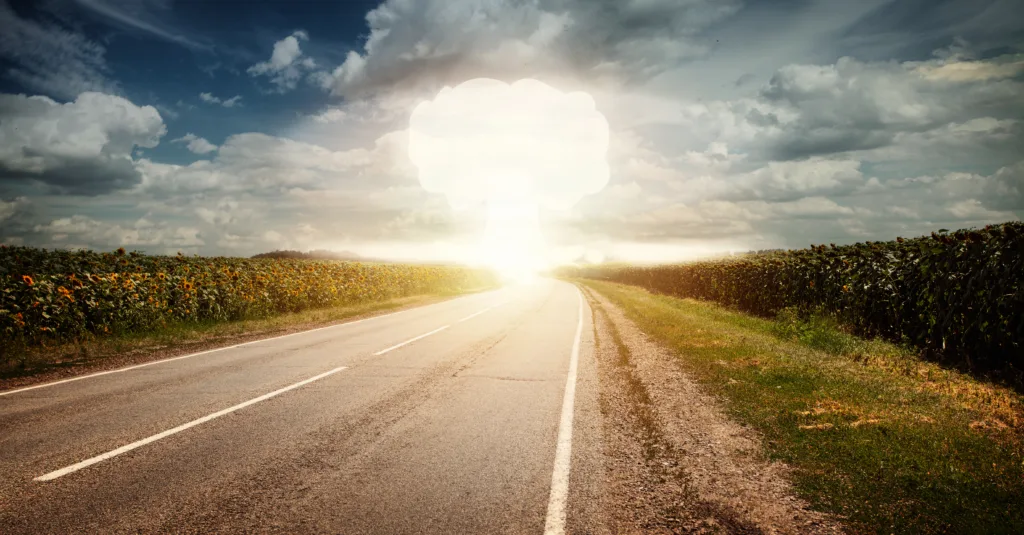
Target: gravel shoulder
(674,461)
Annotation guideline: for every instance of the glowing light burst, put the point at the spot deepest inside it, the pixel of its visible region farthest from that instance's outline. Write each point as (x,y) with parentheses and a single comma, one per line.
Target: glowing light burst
(517,148)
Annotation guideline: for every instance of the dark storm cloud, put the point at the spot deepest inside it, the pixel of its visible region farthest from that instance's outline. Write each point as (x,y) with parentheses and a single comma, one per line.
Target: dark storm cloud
(78,176)
(914,28)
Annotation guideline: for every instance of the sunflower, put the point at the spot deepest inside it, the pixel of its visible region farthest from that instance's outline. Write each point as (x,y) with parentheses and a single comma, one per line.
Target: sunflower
(27,280)
(161,276)
(65,293)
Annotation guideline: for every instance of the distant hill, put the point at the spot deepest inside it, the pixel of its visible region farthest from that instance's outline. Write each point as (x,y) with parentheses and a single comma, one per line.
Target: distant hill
(318,254)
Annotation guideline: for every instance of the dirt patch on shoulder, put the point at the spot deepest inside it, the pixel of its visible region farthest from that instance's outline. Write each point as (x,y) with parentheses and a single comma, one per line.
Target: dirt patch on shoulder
(675,462)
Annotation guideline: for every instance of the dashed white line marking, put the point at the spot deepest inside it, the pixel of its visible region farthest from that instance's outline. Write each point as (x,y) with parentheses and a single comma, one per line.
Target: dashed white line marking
(411,340)
(475,314)
(555,522)
(139,443)
(435,331)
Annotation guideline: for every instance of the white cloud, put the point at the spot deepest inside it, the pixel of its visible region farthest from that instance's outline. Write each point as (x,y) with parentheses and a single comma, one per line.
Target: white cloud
(84,146)
(330,115)
(267,166)
(786,180)
(286,65)
(855,105)
(9,208)
(973,71)
(83,230)
(209,98)
(196,144)
(973,209)
(813,207)
(431,43)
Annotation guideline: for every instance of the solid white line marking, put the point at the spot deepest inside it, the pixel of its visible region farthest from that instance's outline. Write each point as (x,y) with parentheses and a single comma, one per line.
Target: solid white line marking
(555,522)
(475,314)
(119,370)
(411,340)
(129,447)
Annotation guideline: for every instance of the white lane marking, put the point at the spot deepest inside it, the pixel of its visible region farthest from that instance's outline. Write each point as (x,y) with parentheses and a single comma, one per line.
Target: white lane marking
(137,366)
(555,522)
(435,331)
(411,340)
(475,314)
(139,443)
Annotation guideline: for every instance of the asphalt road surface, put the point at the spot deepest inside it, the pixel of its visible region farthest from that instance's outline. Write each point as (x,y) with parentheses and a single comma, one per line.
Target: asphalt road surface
(473,415)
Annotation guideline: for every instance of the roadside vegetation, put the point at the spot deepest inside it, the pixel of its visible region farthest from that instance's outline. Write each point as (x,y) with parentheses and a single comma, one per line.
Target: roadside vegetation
(51,299)
(885,440)
(57,360)
(955,296)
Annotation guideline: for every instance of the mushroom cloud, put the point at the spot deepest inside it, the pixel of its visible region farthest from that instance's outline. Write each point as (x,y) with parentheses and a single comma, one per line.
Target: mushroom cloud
(516,148)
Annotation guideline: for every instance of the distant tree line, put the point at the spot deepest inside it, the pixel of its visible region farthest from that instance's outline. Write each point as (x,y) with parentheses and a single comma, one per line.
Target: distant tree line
(316,254)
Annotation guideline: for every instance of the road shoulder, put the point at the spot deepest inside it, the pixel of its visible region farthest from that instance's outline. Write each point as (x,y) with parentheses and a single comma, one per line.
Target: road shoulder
(674,461)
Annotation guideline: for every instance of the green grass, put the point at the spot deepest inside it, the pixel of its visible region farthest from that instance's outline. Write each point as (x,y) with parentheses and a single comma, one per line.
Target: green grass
(34,360)
(888,442)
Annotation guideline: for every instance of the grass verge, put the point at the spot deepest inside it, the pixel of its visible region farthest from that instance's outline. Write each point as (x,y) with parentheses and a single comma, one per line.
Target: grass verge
(888,442)
(122,349)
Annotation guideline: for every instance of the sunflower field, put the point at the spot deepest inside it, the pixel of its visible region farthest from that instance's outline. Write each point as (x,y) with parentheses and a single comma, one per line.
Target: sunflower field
(61,296)
(953,294)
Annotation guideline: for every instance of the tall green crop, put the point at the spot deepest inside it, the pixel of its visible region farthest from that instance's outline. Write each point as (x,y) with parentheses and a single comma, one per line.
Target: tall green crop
(960,294)
(65,295)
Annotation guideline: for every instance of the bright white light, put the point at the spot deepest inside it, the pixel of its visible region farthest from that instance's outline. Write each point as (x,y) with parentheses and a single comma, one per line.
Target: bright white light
(516,147)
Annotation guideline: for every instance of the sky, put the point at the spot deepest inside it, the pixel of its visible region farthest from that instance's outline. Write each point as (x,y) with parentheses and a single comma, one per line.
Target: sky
(233,127)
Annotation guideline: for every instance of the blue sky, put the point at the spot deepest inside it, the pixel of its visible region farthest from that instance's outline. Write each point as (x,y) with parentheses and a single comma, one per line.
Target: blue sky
(735,124)
(166,53)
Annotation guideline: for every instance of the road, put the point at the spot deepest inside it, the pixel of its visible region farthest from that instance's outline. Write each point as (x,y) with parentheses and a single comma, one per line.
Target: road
(473,415)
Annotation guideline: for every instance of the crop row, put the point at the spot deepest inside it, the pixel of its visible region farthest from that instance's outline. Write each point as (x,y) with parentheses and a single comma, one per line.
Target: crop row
(959,294)
(70,295)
